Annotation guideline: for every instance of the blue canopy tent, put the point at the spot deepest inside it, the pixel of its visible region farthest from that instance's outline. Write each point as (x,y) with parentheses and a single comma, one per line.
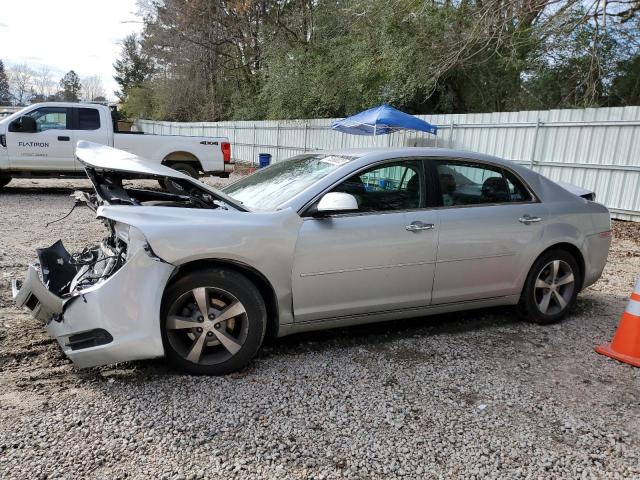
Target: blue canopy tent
(380,121)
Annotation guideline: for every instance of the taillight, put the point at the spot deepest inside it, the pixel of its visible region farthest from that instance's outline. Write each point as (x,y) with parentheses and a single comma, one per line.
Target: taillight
(226,151)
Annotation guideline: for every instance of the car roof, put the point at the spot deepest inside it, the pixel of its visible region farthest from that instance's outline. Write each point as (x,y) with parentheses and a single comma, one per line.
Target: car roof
(391,152)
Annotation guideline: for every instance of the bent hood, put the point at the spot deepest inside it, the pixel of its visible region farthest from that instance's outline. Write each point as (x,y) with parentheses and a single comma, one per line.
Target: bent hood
(107,159)
(111,159)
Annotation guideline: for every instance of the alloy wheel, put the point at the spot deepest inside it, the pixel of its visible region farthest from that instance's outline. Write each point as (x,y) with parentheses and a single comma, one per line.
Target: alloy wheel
(206,325)
(554,287)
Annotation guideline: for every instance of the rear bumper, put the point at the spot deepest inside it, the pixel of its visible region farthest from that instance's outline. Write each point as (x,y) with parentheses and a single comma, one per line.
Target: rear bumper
(228,168)
(114,321)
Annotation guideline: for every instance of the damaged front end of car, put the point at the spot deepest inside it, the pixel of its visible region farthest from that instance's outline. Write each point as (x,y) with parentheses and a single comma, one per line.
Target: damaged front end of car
(102,304)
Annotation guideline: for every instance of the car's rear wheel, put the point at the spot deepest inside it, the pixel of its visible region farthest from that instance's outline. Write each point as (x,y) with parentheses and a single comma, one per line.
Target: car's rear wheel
(213,322)
(4,181)
(175,187)
(551,287)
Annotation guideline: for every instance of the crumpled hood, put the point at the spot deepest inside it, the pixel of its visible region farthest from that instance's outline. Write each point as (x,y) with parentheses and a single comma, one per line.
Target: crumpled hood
(108,159)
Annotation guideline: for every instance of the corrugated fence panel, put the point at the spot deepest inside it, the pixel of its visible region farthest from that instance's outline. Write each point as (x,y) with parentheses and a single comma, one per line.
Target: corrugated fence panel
(596,148)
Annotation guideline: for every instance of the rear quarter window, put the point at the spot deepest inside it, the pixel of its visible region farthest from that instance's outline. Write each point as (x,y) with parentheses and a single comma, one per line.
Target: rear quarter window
(88,119)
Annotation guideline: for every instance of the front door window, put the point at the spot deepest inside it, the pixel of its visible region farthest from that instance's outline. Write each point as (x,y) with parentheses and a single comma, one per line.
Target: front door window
(388,187)
(50,118)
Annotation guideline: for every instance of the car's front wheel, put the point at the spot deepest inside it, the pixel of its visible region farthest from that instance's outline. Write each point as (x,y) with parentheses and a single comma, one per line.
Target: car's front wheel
(551,287)
(213,322)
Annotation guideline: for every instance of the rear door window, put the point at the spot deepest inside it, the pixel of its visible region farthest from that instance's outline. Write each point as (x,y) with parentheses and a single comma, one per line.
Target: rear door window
(465,183)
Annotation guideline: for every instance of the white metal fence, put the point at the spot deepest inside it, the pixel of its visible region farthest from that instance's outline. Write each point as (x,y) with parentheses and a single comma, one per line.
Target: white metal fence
(596,148)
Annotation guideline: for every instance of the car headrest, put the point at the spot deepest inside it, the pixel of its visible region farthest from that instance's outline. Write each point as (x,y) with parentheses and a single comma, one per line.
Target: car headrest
(495,189)
(353,186)
(447,183)
(413,185)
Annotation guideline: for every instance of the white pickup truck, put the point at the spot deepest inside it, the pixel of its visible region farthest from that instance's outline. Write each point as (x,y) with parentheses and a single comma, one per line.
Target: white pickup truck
(39,141)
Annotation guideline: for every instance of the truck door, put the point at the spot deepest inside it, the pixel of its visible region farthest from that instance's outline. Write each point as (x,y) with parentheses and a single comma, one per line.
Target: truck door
(49,148)
(87,126)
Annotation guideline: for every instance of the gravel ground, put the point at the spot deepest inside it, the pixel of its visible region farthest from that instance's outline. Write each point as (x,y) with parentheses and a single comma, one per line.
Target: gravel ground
(476,394)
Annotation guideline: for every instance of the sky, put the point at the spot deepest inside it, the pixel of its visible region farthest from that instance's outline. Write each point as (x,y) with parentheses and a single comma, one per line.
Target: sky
(80,35)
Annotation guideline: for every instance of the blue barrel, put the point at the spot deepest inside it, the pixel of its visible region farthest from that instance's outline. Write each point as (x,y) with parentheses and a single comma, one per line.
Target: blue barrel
(264,159)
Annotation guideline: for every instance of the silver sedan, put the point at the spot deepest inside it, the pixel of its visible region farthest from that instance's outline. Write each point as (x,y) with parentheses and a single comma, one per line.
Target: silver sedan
(321,240)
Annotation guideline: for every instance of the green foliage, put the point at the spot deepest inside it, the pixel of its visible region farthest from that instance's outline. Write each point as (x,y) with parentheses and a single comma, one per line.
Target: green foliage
(70,87)
(305,59)
(625,88)
(133,67)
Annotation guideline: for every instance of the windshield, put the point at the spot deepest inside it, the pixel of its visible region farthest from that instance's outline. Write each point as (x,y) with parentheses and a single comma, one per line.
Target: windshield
(272,186)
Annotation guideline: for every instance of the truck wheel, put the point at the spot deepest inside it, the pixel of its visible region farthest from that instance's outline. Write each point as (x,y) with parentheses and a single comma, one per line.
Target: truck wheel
(185,168)
(4,181)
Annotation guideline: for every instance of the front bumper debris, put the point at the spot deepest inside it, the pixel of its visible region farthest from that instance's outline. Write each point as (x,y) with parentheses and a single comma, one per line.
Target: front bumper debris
(35,296)
(113,320)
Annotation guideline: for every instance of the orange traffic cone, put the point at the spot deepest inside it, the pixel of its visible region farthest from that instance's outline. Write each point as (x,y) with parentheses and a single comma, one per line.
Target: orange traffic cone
(625,345)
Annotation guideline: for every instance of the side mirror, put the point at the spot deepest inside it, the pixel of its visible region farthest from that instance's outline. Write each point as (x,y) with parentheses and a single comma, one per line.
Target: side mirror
(336,202)
(24,124)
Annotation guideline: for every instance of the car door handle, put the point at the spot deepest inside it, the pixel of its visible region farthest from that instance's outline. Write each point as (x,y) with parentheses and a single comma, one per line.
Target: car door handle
(63,139)
(419,226)
(527,219)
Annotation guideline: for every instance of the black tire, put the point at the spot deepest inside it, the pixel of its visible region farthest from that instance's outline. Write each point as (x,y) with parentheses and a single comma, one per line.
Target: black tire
(562,296)
(185,168)
(4,181)
(251,324)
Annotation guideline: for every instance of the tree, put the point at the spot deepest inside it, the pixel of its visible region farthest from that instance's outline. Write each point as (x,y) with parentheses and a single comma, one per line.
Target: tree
(21,83)
(92,88)
(5,93)
(133,67)
(625,88)
(230,59)
(70,87)
(43,84)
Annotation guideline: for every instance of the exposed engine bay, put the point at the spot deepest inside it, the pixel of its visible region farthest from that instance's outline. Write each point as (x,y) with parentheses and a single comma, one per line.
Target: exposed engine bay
(65,274)
(110,190)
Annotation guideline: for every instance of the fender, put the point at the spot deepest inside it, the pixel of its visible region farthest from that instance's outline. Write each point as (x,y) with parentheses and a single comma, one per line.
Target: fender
(264,241)
(552,236)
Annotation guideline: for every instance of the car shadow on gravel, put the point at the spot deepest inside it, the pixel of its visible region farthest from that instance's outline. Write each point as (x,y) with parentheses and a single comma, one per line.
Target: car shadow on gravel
(375,336)
(392,330)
